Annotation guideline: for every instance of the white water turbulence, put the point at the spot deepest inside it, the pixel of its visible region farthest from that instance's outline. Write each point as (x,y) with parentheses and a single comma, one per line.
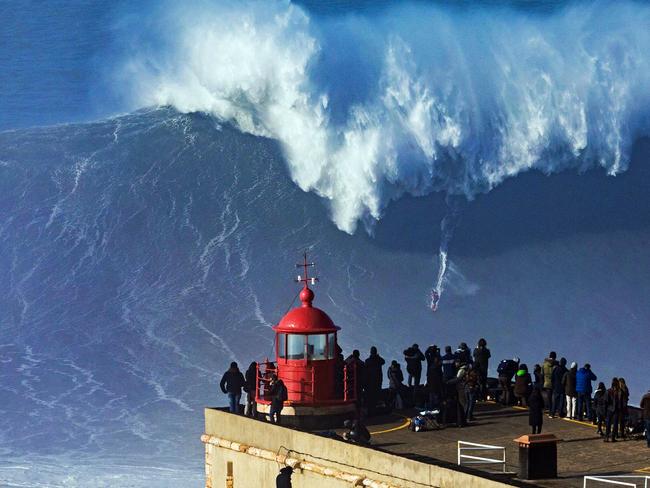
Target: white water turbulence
(412,99)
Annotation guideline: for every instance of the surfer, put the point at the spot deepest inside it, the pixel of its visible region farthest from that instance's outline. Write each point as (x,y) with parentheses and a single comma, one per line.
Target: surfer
(435,297)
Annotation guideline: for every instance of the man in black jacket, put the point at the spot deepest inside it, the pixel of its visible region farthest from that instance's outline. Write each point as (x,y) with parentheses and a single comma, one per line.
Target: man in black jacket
(414,358)
(374,377)
(231,384)
(448,364)
(251,390)
(482,357)
(435,383)
(506,370)
(557,389)
(279,395)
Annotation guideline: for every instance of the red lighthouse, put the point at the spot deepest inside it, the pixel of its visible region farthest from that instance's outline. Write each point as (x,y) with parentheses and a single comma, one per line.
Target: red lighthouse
(320,388)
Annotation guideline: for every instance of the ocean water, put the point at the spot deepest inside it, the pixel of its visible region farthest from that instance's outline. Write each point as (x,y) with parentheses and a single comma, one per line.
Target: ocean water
(163,166)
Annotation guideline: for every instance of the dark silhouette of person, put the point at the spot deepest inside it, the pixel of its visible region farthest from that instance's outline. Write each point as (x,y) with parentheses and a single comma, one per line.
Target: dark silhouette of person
(482,357)
(231,384)
(536,410)
(279,395)
(283,480)
(374,377)
(614,407)
(558,400)
(356,369)
(251,390)
(396,383)
(448,364)
(414,358)
(435,384)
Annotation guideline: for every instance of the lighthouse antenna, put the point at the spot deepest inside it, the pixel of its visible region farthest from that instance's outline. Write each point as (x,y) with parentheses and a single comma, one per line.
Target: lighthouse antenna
(306,279)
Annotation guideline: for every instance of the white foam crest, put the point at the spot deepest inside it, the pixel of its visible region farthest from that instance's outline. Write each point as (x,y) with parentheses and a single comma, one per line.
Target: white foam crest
(432,98)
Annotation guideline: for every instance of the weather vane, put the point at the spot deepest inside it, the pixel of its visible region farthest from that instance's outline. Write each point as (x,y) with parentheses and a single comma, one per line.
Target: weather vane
(305,278)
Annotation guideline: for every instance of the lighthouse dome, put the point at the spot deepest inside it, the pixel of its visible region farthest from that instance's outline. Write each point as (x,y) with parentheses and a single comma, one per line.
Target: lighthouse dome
(306,319)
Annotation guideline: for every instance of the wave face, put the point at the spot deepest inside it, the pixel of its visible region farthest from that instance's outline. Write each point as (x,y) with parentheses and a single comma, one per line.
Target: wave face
(411,98)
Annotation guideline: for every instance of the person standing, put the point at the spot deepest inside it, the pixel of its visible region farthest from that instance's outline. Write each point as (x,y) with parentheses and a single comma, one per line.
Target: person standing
(547,371)
(536,411)
(538,377)
(448,365)
(472,387)
(279,395)
(584,377)
(396,383)
(231,384)
(645,411)
(482,357)
(522,385)
(435,382)
(569,383)
(613,411)
(251,389)
(414,357)
(357,368)
(457,385)
(506,370)
(432,352)
(557,389)
(623,416)
(600,407)
(374,378)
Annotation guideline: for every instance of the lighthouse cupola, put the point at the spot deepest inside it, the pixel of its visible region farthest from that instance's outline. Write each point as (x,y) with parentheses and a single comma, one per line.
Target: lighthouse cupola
(306,348)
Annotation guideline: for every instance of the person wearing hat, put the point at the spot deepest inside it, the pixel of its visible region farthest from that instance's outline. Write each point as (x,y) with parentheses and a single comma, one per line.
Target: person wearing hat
(283,480)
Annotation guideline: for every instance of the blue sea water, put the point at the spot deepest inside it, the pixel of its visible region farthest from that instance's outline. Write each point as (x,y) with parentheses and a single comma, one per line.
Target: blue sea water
(163,165)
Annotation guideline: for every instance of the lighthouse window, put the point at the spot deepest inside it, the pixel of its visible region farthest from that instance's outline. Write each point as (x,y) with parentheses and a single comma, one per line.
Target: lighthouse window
(295,346)
(331,346)
(282,341)
(316,345)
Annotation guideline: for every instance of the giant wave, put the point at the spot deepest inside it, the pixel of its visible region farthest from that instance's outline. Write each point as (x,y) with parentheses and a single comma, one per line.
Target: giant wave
(413,98)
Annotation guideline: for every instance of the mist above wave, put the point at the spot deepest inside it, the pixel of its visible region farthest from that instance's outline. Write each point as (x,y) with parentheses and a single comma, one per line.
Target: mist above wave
(413,99)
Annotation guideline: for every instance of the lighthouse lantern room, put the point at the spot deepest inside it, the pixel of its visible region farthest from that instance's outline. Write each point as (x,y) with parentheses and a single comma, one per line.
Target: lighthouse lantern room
(308,361)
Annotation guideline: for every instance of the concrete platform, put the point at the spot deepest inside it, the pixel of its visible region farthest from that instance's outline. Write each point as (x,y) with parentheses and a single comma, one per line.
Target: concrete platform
(581,452)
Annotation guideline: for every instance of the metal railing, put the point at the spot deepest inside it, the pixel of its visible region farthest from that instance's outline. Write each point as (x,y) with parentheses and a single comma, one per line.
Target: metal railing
(614,480)
(302,388)
(467,459)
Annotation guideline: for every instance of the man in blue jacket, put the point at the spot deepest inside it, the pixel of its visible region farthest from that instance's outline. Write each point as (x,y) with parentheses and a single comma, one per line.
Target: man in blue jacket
(584,377)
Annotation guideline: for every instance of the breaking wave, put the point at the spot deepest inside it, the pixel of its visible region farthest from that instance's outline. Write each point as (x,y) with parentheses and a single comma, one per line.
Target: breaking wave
(411,98)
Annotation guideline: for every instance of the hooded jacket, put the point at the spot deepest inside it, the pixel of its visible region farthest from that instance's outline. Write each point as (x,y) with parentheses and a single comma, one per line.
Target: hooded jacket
(547,370)
(232,381)
(414,358)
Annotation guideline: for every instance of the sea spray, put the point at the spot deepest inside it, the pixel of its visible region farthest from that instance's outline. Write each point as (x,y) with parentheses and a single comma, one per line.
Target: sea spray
(413,99)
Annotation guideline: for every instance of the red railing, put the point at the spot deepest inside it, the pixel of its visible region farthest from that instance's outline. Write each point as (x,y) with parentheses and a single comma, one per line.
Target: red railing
(304,389)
